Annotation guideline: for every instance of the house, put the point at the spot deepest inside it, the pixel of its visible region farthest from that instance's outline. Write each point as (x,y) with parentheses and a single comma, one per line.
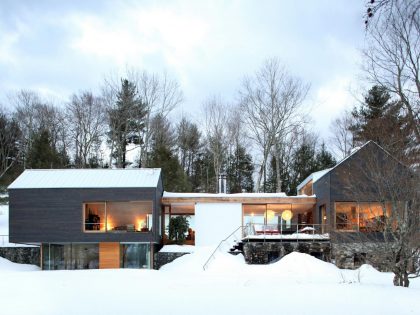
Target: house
(96,218)
(88,218)
(345,196)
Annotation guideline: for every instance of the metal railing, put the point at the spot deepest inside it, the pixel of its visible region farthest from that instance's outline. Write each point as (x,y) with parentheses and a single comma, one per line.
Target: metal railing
(286,232)
(220,244)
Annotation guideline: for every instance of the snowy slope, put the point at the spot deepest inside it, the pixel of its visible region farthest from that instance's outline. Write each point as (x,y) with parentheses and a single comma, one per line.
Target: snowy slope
(228,287)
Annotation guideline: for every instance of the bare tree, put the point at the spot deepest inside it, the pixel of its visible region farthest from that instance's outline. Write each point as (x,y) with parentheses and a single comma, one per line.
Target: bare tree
(188,143)
(271,101)
(86,117)
(393,57)
(216,118)
(9,139)
(342,137)
(34,114)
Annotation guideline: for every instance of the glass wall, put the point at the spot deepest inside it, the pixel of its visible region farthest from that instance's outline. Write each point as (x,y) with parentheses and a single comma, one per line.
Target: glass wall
(129,216)
(365,216)
(346,216)
(135,255)
(133,216)
(372,216)
(70,256)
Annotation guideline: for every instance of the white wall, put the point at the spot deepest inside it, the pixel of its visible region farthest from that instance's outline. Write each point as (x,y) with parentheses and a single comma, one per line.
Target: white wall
(215,221)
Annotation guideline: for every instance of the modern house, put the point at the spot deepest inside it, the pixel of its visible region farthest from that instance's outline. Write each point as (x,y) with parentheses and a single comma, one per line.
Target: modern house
(90,218)
(96,218)
(344,197)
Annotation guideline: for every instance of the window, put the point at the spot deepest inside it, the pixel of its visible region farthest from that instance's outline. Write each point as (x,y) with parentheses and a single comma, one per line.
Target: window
(346,216)
(133,216)
(128,216)
(372,216)
(94,216)
(135,255)
(70,256)
(364,216)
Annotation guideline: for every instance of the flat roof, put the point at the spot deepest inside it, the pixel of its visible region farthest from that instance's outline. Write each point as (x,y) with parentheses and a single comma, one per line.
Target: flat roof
(254,198)
(87,178)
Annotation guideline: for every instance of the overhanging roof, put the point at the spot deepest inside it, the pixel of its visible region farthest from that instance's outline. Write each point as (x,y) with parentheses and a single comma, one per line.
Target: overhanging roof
(169,198)
(87,178)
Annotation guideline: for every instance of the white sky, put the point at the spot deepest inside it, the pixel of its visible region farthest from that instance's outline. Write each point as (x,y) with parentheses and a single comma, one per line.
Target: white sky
(62,47)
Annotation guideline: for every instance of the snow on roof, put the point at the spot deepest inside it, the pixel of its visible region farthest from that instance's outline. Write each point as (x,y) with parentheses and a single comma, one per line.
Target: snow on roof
(239,195)
(314,177)
(87,178)
(317,175)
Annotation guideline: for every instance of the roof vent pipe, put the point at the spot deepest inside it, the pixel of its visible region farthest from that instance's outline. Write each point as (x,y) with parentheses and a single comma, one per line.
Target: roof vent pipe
(222,184)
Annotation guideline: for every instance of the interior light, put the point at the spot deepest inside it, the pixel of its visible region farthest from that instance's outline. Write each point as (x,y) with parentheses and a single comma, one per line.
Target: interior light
(287,215)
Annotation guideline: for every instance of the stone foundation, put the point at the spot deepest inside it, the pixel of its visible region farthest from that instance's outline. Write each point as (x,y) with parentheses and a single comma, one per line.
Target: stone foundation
(161,259)
(353,255)
(21,255)
(260,253)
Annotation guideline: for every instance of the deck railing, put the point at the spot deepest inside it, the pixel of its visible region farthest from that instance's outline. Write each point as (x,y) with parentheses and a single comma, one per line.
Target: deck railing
(287,232)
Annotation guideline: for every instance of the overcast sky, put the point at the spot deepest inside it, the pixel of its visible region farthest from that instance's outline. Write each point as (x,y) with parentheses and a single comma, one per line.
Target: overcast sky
(62,47)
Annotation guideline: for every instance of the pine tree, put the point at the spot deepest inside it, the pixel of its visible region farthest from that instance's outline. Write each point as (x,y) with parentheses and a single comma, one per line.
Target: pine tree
(239,171)
(304,165)
(42,153)
(162,155)
(380,119)
(324,159)
(127,121)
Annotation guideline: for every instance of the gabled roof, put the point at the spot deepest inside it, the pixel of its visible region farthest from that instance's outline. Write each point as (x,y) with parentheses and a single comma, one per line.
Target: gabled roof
(313,177)
(317,175)
(88,178)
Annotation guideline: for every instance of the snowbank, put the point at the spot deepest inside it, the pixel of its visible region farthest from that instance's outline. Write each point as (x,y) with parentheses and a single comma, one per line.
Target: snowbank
(177,249)
(6,265)
(297,284)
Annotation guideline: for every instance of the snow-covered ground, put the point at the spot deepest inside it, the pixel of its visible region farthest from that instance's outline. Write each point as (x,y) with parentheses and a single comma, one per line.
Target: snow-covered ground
(297,284)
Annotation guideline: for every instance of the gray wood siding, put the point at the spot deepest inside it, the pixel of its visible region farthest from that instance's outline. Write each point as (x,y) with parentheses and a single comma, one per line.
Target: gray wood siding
(321,188)
(56,215)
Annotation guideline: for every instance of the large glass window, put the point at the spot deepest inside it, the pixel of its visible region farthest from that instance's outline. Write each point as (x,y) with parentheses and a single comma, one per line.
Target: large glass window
(133,216)
(70,256)
(364,216)
(372,216)
(346,216)
(130,216)
(254,214)
(135,255)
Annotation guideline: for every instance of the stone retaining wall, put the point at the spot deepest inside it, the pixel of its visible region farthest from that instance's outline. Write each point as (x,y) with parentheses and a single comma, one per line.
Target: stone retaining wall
(21,255)
(267,252)
(164,258)
(353,255)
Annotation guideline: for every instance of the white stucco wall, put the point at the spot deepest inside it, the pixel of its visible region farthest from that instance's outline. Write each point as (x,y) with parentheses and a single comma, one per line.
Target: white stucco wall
(215,221)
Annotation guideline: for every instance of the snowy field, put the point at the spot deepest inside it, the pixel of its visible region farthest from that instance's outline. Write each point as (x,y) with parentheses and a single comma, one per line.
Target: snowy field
(297,284)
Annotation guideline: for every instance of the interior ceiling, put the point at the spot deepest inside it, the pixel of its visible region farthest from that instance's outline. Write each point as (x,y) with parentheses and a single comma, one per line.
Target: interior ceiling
(186,208)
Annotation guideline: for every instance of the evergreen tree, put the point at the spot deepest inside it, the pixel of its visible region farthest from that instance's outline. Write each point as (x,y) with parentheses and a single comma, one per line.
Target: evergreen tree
(239,171)
(42,153)
(380,119)
(324,159)
(304,164)
(162,155)
(127,121)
